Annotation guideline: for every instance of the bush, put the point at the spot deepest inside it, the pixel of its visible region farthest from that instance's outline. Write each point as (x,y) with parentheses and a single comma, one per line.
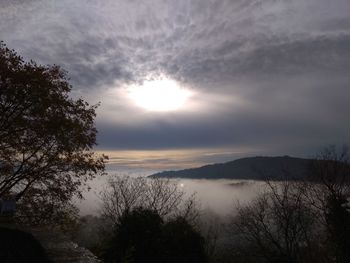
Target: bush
(135,236)
(142,236)
(182,243)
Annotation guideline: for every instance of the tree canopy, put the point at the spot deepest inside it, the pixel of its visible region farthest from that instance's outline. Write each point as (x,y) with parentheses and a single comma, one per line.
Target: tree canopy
(141,235)
(124,193)
(46,137)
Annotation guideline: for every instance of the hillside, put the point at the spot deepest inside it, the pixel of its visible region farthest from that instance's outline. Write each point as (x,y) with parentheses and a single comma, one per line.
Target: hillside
(253,168)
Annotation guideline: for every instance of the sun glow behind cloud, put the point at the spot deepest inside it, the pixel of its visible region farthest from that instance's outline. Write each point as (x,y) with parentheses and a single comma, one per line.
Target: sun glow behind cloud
(161,94)
(253,67)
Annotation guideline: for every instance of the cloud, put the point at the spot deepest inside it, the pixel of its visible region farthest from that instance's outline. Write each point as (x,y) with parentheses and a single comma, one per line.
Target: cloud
(272,74)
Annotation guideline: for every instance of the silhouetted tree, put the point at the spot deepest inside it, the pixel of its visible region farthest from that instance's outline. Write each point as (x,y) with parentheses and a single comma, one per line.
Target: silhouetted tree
(46,137)
(301,221)
(37,209)
(136,237)
(162,195)
(278,226)
(329,194)
(142,236)
(181,242)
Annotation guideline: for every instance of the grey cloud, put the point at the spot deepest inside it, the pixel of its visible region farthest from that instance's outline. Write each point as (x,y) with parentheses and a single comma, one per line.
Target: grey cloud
(288,60)
(196,39)
(270,57)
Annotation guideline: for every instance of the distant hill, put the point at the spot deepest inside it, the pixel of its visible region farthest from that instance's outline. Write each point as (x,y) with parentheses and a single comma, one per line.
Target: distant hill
(252,168)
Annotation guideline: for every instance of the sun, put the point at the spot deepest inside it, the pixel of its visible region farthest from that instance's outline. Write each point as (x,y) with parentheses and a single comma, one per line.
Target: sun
(162,94)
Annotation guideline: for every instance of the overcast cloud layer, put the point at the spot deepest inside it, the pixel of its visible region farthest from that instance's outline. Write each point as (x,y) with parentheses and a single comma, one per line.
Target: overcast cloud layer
(268,75)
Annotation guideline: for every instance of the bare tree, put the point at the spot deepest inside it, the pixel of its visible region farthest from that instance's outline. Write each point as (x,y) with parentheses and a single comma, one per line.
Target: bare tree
(305,220)
(278,226)
(328,191)
(161,195)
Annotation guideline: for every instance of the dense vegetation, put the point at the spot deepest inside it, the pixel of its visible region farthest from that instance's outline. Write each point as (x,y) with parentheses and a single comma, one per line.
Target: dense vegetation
(142,236)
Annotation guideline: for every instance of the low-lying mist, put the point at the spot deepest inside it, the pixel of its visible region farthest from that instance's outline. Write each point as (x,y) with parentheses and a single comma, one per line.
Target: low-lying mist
(218,196)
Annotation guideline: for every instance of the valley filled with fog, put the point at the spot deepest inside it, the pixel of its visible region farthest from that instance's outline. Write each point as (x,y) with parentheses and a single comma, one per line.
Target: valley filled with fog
(217,196)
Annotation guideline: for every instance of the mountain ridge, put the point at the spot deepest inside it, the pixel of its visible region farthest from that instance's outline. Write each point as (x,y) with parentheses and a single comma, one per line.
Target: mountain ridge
(254,168)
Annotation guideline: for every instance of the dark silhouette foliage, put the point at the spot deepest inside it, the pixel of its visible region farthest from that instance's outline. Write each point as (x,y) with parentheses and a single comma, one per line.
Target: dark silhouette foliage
(136,236)
(142,236)
(331,197)
(164,196)
(46,137)
(182,243)
(338,225)
(278,226)
(18,247)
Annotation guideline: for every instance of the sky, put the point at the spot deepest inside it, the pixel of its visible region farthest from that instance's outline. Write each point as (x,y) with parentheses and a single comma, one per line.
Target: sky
(258,77)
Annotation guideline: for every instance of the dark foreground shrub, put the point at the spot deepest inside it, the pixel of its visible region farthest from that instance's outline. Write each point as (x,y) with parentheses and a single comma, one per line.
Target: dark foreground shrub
(182,243)
(135,238)
(17,246)
(142,236)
